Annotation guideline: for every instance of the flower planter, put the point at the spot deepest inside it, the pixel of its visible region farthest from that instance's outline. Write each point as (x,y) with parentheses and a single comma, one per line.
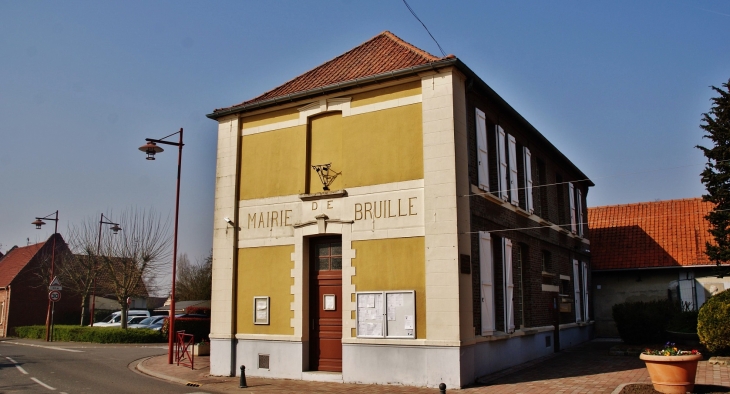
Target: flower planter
(201,349)
(672,374)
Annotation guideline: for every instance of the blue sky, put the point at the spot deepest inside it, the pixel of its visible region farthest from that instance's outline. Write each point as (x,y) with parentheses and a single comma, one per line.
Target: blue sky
(619,87)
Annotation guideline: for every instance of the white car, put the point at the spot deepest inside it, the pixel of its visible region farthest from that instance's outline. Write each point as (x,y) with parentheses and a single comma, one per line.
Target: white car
(115,319)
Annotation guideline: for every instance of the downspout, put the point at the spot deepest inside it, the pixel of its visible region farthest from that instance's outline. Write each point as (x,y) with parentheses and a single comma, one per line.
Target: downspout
(237,196)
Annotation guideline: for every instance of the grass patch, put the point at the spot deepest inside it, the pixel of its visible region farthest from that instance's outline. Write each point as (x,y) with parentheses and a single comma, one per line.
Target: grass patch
(92,334)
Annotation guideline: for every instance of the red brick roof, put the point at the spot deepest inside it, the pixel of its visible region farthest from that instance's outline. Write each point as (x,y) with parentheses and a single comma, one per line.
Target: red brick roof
(649,235)
(380,54)
(16,260)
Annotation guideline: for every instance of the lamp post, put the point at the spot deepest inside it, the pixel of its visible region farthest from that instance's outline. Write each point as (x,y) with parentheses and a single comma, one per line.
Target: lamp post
(38,223)
(115,230)
(151,148)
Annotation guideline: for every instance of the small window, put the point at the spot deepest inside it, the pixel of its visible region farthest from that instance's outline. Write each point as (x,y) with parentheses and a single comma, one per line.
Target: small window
(546,261)
(329,256)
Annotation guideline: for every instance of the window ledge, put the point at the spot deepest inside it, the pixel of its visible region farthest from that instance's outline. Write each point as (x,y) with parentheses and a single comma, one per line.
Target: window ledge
(551,288)
(545,273)
(323,195)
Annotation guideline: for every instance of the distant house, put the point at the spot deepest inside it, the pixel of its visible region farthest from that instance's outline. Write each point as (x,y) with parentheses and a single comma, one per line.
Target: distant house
(24,292)
(106,298)
(650,251)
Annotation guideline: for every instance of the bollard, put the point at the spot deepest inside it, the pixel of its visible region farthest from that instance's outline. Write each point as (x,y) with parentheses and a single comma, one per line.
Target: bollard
(242,384)
(442,387)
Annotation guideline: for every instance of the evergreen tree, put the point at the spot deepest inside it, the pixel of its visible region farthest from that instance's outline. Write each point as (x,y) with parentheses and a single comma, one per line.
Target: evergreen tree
(716,175)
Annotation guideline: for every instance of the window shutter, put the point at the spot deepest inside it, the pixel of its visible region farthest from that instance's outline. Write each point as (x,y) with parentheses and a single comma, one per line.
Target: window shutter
(579,210)
(509,286)
(514,197)
(528,180)
(487,277)
(483,163)
(502,185)
(576,288)
(585,291)
(571,198)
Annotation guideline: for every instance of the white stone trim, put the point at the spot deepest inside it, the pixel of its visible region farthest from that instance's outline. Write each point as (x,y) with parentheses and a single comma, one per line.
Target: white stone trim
(333,104)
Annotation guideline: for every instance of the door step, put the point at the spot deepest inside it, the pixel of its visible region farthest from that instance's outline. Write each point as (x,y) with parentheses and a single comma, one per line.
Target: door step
(322,376)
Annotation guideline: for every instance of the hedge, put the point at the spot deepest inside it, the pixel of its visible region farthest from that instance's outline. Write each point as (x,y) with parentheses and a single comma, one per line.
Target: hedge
(713,323)
(644,322)
(92,334)
(200,328)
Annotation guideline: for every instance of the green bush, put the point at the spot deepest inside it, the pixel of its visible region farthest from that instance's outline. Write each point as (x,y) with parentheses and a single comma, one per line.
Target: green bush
(92,334)
(644,322)
(685,321)
(200,328)
(713,323)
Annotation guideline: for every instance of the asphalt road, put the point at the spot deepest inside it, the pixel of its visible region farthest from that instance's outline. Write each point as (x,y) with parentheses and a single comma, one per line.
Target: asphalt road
(28,366)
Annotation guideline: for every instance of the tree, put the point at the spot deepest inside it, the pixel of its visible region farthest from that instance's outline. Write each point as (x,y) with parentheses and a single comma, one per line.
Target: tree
(136,255)
(79,269)
(194,280)
(716,175)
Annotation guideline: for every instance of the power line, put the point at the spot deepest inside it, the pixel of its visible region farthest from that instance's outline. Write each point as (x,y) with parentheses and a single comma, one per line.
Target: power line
(424,26)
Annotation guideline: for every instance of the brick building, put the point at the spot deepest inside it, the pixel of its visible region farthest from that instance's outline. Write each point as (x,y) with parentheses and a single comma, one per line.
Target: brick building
(23,292)
(388,218)
(650,251)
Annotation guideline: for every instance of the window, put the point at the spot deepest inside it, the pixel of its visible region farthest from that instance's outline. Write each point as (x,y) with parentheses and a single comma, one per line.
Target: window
(546,261)
(561,199)
(527,158)
(521,254)
(542,181)
(482,157)
(508,286)
(579,211)
(487,283)
(577,290)
(571,200)
(585,288)
(513,187)
(329,256)
(502,185)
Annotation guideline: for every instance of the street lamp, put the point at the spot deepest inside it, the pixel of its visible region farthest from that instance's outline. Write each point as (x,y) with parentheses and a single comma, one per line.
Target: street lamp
(38,222)
(151,148)
(115,229)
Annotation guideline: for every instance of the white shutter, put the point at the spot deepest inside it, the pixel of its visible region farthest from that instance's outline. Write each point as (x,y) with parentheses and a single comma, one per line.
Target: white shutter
(487,278)
(509,286)
(514,197)
(528,180)
(503,186)
(571,198)
(483,163)
(585,291)
(576,288)
(579,211)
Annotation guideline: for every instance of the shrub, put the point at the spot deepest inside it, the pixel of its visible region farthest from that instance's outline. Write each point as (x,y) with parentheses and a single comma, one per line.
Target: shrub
(685,321)
(644,322)
(92,334)
(713,325)
(200,328)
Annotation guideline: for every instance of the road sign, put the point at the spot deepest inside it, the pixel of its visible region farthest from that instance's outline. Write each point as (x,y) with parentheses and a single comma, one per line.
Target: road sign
(54,295)
(55,285)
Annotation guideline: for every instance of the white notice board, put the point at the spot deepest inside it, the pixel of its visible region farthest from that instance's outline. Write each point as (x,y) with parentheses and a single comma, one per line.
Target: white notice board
(400,314)
(370,314)
(386,314)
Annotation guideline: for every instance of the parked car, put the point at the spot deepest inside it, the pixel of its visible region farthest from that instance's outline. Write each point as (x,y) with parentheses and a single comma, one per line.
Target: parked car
(115,319)
(152,322)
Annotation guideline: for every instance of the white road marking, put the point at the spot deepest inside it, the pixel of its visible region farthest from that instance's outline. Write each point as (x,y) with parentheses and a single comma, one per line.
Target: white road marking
(47,347)
(17,366)
(42,384)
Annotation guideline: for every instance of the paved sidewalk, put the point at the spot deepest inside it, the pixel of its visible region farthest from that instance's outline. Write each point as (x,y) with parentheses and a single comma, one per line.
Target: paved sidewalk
(584,369)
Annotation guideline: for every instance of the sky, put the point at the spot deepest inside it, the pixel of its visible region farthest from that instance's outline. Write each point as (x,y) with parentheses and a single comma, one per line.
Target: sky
(619,87)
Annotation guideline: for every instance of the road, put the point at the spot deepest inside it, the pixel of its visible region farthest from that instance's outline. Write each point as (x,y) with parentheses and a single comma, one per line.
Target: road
(28,366)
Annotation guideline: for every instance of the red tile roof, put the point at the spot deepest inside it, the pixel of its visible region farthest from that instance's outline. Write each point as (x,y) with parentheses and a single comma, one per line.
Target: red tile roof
(649,235)
(16,260)
(380,54)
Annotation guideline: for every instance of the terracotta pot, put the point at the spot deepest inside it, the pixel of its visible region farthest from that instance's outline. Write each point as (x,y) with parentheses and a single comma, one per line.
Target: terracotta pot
(672,374)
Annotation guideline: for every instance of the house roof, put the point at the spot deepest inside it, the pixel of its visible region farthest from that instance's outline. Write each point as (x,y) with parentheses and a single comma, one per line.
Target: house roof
(381,54)
(16,259)
(658,234)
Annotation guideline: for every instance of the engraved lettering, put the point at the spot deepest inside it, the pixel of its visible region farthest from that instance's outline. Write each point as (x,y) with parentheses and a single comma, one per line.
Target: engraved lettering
(358,211)
(377,214)
(287,217)
(314,205)
(389,215)
(399,213)
(410,207)
(368,208)
(252,219)
(261,220)
(329,204)
(274,218)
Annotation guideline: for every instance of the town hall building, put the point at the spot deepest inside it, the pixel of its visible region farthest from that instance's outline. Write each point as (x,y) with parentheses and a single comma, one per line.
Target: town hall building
(388,218)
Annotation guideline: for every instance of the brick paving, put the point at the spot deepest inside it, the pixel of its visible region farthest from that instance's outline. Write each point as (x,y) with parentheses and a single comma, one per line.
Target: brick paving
(583,369)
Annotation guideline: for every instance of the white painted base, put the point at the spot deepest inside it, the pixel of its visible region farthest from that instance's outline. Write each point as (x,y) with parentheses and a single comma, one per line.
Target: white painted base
(286,359)
(222,354)
(404,365)
(321,376)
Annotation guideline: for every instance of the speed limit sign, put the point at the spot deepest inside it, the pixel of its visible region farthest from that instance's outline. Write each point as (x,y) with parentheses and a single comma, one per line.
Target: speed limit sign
(54,295)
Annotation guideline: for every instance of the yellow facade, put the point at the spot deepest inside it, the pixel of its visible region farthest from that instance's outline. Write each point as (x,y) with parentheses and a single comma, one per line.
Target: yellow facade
(265,271)
(393,264)
(385,94)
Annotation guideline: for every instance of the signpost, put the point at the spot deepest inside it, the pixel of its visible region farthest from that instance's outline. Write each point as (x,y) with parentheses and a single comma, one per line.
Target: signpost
(54,295)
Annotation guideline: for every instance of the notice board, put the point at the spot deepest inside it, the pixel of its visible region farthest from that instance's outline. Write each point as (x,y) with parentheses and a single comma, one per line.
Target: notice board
(386,314)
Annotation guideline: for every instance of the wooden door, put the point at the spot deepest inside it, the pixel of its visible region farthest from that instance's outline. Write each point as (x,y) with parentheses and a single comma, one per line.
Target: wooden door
(325,339)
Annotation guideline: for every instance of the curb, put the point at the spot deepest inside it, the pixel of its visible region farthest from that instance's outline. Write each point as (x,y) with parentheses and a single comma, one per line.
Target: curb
(141,368)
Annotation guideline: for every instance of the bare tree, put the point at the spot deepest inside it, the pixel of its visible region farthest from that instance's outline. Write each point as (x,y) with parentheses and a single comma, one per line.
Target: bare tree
(138,253)
(194,280)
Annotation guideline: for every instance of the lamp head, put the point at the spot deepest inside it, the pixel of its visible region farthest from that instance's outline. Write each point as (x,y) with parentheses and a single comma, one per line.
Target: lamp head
(150,148)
